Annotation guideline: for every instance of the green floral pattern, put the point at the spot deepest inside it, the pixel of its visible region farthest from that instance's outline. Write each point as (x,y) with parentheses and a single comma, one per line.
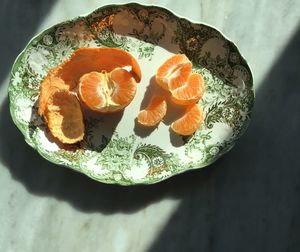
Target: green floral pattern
(150,33)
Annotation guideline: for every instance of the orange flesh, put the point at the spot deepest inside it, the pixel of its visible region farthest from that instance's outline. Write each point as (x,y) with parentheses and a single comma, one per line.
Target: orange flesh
(89,87)
(186,89)
(125,87)
(154,113)
(107,92)
(191,92)
(174,72)
(189,122)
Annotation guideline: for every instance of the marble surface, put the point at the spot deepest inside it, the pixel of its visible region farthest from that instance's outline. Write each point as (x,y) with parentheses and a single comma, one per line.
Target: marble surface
(247,201)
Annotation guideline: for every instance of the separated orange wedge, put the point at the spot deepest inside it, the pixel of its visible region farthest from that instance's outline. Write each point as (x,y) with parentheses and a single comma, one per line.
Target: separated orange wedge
(189,122)
(107,92)
(154,112)
(174,72)
(191,92)
(64,117)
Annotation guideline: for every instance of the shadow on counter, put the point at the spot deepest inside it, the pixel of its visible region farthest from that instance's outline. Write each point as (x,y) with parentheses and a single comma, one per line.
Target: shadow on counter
(249,200)
(19,20)
(43,178)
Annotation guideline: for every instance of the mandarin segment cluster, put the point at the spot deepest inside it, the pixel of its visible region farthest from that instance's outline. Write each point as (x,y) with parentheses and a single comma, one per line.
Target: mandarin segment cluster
(105,80)
(185,88)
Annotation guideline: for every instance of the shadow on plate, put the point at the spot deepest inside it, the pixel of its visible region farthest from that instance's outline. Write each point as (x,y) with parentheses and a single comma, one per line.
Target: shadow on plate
(98,129)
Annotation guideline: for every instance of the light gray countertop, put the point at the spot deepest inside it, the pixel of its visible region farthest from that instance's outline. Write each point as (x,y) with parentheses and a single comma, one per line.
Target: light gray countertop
(247,201)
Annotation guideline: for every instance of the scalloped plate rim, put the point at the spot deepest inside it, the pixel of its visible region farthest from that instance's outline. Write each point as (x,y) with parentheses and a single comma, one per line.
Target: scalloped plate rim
(85,15)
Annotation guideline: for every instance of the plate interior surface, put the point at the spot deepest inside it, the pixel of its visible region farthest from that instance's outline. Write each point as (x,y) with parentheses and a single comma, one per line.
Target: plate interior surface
(115,148)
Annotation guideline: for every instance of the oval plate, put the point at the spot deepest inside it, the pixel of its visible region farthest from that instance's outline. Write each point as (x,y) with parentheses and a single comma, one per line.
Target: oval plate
(115,149)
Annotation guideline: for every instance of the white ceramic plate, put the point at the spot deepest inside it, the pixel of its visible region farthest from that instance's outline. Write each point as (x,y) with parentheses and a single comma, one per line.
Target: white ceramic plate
(115,149)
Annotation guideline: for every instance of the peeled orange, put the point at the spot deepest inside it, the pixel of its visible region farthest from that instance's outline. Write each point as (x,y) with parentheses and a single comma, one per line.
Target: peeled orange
(103,78)
(107,92)
(66,76)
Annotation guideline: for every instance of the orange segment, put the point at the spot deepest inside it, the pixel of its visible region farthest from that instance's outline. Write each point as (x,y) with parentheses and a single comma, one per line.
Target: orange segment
(90,89)
(189,122)
(64,117)
(190,92)
(86,60)
(154,113)
(125,87)
(107,92)
(174,72)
